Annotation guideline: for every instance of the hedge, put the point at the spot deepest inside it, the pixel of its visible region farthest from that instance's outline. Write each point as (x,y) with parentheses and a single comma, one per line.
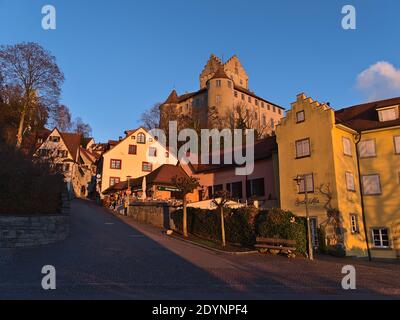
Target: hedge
(240,227)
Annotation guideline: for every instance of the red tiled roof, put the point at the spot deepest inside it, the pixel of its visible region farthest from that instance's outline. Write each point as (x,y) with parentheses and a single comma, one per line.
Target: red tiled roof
(72,141)
(365,116)
(163,175)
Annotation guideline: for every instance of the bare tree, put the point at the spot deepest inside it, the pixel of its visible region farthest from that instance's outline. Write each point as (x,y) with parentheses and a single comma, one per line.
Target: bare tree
(34,70)
(150,119)
(84,129)
(220,199)
(242,118)
(61,118)
(186,185)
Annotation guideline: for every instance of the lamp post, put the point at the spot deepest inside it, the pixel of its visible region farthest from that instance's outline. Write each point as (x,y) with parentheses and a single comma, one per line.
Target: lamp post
(298,180)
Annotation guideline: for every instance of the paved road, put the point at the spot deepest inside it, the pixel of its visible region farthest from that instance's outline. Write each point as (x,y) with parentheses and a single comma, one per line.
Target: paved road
(111,258)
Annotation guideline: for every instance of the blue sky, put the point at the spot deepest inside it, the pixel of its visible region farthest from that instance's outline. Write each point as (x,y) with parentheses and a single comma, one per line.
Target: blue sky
(120,57)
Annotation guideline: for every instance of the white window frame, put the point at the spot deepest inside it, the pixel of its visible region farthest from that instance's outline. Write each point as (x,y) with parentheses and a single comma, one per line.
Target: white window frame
(388,114)
(369,154)
(309,181)
(300,120)
(354,224)
(347,146)
(380,237)
(363,180)
(301,151)
(350,186)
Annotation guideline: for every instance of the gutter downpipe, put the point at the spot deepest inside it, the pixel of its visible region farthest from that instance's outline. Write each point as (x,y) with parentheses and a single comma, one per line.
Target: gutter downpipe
(358,139)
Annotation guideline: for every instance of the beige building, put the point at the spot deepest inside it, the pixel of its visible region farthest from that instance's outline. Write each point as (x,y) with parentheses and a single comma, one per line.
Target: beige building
(349,162)
(65,152)
(224,95)
(135,155)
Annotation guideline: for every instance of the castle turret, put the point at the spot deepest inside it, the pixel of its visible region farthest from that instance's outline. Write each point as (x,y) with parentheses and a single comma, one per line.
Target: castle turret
(168,110)
(220,94)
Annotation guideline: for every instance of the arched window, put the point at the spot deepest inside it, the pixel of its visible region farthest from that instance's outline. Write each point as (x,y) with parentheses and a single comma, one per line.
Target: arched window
(141,138)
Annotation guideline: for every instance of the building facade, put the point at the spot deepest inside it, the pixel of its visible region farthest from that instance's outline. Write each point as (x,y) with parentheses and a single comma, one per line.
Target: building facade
(349,163)
(65,153)
(135,155)
(223,97)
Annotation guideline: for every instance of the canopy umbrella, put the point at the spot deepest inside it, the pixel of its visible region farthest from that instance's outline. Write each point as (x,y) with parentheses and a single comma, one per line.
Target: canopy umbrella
(144,186)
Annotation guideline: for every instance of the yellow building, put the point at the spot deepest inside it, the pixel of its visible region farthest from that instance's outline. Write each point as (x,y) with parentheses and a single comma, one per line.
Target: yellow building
(349,161)
(224,93)
(135,155)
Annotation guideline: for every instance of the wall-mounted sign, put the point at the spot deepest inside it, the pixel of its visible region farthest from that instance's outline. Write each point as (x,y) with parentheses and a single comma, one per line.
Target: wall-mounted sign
(170,189)
(311,201)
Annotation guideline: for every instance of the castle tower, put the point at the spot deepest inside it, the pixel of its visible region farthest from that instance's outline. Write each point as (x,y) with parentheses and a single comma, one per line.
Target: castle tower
(213,64)
(220,95)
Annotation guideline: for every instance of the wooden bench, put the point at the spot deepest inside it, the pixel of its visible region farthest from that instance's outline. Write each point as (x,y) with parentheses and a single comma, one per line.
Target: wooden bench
(276,246)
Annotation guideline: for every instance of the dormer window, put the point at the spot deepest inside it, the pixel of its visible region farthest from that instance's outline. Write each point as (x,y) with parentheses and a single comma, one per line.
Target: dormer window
(54,139)
(388,114)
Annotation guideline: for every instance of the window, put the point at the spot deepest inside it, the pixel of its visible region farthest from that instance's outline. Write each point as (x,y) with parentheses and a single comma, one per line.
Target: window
(300,116)
(272,124)
(235,189)
(397,144)
(347,147)
(147,167)
(39,140)
(249,99)
(218,83)
(229,84)
(62,153)
(141,138)
(132,149)
(255,115)
(115,164)
(280,111)
(387,114)
(380,237)
(367,149)
(66,167)
(256,102)
(264,117)
(242,96)
(152,152)
(350,184)
(236,94)
(54,139)
(354,224)
(371,184)
(255,188)
(269,107)
(303,148)
(218,99)
(309,180)
(114,181)
(167,154)
(274,108)
(262,104)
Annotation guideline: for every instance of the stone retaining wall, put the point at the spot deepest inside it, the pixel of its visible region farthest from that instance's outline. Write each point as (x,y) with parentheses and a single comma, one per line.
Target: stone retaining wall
(156,214)
(35,230)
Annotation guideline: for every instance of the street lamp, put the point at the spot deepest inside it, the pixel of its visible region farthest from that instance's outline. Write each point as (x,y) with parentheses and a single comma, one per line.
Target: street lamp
(299,179)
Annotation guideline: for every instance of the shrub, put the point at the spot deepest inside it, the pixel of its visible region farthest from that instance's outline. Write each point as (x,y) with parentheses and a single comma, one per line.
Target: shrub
(277,223)
(25,187)
(322,240)
(336,251)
